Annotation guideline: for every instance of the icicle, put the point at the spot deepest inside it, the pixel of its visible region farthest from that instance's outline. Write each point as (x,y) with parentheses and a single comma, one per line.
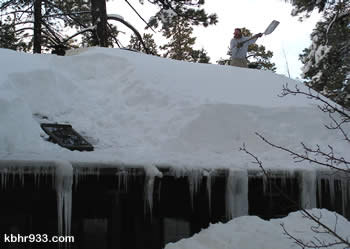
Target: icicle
(345,194)
(285,177)
(64,184)
(331,184)
(4,178)
(81,173)
(194,180)
(148,191)
(150,173)
(266,184)
(209,182)
(236,193)
(159,190)
(36,178)
(76,178)
(307,186)
(319,188)
(122,180)
(21,176)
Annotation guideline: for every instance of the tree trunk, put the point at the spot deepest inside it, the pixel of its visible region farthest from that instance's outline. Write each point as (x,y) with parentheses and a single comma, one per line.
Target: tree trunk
(37,26)
(99,18)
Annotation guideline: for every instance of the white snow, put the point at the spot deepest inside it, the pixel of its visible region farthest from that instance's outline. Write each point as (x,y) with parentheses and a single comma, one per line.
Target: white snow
(116,15)
(321,52)
(253,232)
(166,15)
(138,109)
(151,112)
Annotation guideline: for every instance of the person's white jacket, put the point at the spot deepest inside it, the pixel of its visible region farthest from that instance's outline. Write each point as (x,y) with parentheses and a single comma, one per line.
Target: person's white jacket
(240,52)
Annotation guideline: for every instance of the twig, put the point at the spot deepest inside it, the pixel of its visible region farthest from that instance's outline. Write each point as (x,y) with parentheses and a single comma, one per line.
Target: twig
(300,156)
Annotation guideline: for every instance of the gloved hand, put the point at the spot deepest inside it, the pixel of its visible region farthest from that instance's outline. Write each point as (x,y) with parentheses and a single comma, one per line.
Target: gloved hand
(239,44)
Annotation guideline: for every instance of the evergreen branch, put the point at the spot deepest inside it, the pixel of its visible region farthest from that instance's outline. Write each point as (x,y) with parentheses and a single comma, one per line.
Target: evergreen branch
(22,23)
(30,7)
(53,33)
(66,14)
(7,4)
(22,29)
(15,12)
(90,29)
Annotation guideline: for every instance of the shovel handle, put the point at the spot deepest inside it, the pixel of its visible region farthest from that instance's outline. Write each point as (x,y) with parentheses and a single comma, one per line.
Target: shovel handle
(240,44)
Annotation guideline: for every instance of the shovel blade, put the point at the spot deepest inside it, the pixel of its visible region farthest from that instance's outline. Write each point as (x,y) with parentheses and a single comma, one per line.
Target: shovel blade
(271,27)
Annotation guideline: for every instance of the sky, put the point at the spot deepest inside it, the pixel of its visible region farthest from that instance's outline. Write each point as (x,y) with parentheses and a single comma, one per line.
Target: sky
(287,41)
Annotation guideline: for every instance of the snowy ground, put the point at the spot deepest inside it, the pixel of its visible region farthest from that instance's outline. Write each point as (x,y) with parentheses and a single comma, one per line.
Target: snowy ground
(253,232)
(145,110)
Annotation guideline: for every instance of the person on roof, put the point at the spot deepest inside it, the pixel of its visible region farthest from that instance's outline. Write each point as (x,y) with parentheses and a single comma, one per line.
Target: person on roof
(239,48)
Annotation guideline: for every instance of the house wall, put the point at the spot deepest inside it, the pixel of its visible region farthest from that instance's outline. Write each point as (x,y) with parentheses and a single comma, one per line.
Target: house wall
(110,210)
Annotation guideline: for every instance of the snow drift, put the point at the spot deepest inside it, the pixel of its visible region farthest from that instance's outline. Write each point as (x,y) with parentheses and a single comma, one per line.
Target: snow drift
(145,110)
(253,232)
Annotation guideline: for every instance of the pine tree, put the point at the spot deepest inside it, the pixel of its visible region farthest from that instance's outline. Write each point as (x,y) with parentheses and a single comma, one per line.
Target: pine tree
(12,13)
(186,9)
(8,36)
(37,18)
(180,45)
(48,16)
(327,61)
(307,6)
(150,43)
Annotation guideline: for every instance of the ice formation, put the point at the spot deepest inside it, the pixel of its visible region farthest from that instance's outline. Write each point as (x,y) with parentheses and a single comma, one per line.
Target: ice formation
(194,180)
(82,172)
(314,185)
(308,188)
(236,193)
(64,184)
(333,182)
(150,173)
(208,186)
(122,176)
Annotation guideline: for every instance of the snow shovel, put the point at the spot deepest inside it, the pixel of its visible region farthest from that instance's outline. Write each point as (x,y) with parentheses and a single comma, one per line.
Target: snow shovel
(271,27)
(267,31)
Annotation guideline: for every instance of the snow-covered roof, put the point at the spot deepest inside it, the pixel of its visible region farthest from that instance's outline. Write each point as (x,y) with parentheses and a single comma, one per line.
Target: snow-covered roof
(138,109)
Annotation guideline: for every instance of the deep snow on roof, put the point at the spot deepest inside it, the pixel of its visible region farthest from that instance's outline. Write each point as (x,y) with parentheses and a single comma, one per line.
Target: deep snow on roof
(141,109)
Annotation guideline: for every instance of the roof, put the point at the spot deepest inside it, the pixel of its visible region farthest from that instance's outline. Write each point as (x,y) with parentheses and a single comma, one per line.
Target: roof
(137,109)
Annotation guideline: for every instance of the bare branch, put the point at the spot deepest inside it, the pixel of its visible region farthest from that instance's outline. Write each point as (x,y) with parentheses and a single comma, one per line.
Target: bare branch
(316,242)
(257,161)
(327,106)
(300,157)
(339,126)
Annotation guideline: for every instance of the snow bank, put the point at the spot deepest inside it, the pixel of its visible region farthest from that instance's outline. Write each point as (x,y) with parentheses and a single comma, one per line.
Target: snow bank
(253,232)
(139,109)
